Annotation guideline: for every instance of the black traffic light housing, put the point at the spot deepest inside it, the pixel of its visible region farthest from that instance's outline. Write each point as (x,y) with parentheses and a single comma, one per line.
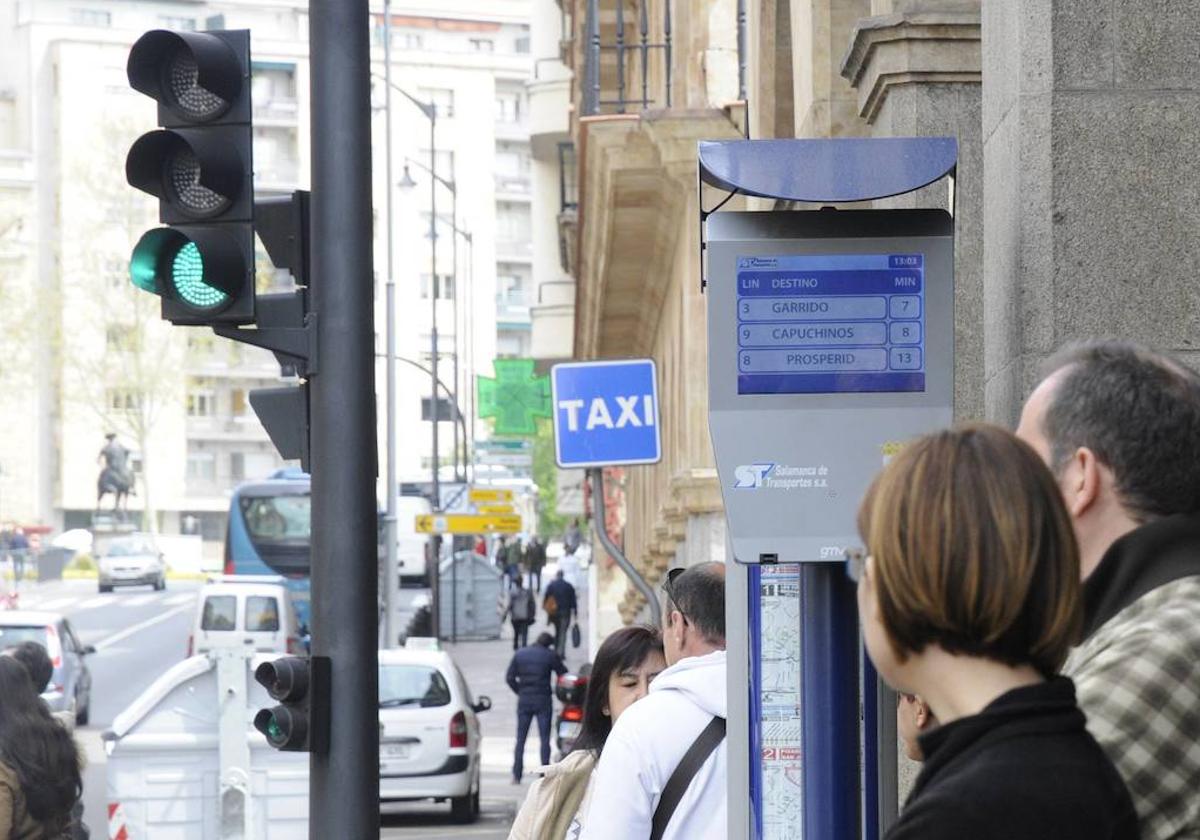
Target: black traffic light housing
(301,685)
(199,165)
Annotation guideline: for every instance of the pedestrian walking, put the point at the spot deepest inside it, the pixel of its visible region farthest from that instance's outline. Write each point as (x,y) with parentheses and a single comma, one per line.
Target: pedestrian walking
(1119,426)
(561,606)
(514,559)
(529,674)
(40,781)
(643,786)
(535,561)
(19,546)
(626,664)
(969,595)
(573,537)
(522,609)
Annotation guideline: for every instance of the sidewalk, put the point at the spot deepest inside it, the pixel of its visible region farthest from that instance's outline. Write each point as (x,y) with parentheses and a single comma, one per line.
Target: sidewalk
(484,665)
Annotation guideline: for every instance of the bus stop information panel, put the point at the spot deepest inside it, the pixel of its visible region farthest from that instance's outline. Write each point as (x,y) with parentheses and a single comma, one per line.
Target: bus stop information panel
(830,343)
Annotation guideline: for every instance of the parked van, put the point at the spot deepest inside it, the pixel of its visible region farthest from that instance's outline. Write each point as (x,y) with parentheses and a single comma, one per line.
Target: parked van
(251,610)
(412,547)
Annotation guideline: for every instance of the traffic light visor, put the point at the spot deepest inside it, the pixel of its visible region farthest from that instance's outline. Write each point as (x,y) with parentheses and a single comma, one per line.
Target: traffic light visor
(198,174)
(195,75)
(168,263)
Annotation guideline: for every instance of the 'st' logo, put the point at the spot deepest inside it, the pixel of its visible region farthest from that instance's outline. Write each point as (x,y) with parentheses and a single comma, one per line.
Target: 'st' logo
(751,476)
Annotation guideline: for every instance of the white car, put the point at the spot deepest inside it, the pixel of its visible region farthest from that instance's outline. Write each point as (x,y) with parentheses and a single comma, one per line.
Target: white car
(429,737)
(132,561)
(251,611)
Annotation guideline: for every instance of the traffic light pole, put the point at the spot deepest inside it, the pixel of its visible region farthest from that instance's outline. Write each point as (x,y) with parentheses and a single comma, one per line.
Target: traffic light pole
(344,780)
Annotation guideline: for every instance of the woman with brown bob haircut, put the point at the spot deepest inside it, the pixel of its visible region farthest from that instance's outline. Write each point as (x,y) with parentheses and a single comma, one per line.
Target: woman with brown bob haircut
(969,596)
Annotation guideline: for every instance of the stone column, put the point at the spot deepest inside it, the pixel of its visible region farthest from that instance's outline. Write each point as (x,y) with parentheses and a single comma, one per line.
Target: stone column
(824,101)
(1091,114)
(916,68)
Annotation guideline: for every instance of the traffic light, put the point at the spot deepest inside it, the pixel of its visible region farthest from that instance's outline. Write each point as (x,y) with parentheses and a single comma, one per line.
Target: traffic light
(301,685)
(199,166)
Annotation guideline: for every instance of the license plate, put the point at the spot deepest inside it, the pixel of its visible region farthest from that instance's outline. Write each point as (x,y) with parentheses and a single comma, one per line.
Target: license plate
(569,729)
(395,752)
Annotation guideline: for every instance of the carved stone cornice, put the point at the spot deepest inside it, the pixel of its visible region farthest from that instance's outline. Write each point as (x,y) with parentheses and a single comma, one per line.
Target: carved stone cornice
(914,48)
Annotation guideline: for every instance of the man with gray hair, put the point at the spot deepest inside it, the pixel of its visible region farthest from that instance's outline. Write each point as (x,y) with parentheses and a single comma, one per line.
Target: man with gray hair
(1119,425)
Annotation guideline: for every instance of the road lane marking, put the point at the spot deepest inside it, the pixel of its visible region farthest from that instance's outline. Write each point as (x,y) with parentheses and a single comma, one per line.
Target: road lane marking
(98,601)
(138,600)
(139,627)
(56,604)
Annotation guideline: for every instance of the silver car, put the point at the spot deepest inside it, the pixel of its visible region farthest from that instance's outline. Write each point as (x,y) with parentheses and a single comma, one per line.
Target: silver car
(70,686)
(132,561)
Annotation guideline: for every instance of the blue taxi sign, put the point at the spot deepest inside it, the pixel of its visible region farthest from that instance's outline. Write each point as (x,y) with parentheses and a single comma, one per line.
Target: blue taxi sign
(606,413)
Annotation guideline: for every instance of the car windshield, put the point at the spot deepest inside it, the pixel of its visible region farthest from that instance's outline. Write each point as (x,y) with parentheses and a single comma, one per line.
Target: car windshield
(219,613)
(412,685)
(127,549)
(13,636)
(262,614)
(278,518)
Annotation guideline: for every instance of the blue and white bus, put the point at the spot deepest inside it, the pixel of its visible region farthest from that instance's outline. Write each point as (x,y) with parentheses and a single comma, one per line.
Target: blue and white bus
(269,532)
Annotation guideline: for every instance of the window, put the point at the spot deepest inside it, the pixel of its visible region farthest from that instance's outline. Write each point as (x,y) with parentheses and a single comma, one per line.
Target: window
(412,685)
(483,45)
(442,99)
(123,399)
(509,107)
(201,398)
(443,164)
(444,290)
(237,402)
(219,613)
(276,518)
(178,24)
(202,466)
(512,223)
(521,45)
(237,466)
(91,17)
(262,614)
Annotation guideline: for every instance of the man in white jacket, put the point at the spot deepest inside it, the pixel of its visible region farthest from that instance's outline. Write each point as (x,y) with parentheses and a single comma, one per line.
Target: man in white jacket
(650,739)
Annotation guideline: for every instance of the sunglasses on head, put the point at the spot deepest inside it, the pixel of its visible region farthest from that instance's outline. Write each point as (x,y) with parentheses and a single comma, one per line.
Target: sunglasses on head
(669,589)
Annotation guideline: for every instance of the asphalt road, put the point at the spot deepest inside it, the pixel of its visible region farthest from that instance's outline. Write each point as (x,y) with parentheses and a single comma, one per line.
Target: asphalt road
(138,634)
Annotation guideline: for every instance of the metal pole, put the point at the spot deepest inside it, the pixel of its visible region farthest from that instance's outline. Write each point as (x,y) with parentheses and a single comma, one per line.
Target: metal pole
(829,703)
(616,554)
(471,369)
(458,332)
(344,782)
(391,575)
(434,414)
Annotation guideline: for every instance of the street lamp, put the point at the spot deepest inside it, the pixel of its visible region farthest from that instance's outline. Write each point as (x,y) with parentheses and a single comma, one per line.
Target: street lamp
(407,182)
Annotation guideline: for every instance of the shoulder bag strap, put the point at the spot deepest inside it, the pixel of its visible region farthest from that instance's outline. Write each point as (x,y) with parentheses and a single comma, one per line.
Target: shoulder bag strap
(689,766)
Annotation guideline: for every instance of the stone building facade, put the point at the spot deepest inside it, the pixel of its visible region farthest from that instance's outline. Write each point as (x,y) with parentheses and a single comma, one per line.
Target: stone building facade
(1075,196)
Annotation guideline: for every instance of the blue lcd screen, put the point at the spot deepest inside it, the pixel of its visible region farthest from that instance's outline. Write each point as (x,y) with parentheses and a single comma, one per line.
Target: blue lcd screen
(831,323)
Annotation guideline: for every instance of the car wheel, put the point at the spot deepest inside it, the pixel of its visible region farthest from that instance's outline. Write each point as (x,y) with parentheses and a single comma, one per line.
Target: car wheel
(465,809)
(106,587)
(160,584)
(82,715)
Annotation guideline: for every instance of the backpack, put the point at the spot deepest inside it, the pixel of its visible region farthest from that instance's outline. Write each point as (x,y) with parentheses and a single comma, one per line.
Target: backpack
(550,605)
(522,606)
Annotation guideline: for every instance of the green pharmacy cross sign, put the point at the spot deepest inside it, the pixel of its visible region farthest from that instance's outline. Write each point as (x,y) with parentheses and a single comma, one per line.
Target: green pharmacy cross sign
(514,397)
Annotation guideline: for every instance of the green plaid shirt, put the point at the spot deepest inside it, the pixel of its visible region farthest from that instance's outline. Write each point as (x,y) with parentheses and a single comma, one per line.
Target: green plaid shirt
(1137,678)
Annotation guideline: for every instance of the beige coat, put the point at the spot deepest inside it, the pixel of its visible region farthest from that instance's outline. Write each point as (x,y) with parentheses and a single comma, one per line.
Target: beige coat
(555,799)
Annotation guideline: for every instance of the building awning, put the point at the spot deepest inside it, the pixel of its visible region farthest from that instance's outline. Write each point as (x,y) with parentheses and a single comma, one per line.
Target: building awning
(834,170)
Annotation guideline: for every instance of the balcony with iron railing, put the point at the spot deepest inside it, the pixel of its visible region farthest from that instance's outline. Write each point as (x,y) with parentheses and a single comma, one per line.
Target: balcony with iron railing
(626,59)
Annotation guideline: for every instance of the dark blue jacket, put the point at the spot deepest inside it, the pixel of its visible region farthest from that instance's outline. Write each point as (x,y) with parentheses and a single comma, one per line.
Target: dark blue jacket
(564,596)
(529,674)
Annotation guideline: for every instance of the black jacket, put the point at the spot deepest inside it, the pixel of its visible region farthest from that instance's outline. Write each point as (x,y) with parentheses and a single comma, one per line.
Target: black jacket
(1024,768)
(564,596)
(529,674)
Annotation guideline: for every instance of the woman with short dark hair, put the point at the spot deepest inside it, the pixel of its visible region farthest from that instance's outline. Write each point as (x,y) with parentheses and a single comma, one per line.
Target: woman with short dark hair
(970,597)
(626,663)
(39,762)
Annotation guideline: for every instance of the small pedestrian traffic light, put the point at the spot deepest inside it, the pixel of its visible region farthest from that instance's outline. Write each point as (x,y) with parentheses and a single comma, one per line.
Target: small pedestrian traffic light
(301,685)
(199,165)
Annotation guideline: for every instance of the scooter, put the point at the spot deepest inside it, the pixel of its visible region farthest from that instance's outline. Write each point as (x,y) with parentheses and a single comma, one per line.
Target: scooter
(570,689)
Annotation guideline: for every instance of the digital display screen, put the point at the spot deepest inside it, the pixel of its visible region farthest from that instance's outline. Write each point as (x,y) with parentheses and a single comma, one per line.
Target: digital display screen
(831,323)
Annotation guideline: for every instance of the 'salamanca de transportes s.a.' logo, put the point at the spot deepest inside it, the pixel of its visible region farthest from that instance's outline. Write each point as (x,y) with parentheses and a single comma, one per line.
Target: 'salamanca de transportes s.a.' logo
(770,476)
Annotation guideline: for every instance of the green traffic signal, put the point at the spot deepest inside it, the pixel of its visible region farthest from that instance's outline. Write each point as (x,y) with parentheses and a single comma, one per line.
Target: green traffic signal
(187,278)
(192,267)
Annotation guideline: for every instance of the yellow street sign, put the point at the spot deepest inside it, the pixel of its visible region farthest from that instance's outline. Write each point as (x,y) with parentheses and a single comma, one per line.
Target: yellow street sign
(494,509)
(489,495)
(468,523)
